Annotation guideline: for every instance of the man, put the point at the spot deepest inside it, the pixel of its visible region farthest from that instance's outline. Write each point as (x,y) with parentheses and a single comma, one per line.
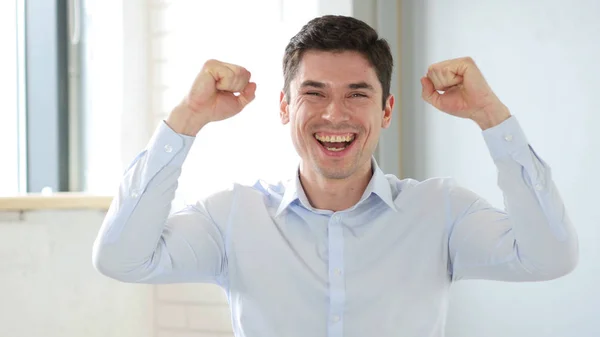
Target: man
(341,249)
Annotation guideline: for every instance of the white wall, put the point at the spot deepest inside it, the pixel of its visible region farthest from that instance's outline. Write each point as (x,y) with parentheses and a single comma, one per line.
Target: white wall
(541,57)
(49,288)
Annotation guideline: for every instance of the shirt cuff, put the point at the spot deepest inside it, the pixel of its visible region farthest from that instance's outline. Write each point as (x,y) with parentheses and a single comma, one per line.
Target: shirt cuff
(506,139)
(169,147)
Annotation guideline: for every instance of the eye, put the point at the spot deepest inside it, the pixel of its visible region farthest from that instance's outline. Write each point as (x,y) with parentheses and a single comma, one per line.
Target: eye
(313,93)
(358,94)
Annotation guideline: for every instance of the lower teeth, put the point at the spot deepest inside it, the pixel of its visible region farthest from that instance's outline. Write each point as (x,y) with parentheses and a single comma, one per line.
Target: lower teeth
(335,149)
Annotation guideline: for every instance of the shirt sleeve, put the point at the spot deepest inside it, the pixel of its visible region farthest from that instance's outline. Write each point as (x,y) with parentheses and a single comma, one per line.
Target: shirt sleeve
(140,241)
(532,239)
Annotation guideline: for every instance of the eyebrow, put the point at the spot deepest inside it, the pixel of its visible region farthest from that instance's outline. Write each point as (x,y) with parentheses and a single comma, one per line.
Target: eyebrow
(361,85)
(321,85)
(313,84)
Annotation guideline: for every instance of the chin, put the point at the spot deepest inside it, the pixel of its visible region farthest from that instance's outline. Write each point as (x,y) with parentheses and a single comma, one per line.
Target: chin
(335,169)
(335,174)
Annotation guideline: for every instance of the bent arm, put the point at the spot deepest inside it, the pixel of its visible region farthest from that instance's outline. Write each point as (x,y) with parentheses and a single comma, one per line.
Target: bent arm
(532,239)
(139,241)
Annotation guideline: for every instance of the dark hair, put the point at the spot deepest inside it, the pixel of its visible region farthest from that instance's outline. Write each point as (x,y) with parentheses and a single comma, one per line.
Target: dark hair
(338,33)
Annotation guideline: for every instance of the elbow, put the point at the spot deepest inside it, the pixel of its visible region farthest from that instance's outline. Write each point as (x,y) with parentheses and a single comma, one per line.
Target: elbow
(563,268)
(569,260)
(564,262)
(551,263)
(110,266)
(105,265)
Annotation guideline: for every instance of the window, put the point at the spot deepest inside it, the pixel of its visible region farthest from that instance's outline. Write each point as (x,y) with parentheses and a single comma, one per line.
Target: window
(102,92)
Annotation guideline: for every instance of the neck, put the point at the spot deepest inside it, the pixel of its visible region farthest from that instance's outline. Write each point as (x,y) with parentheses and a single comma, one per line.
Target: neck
(335,194)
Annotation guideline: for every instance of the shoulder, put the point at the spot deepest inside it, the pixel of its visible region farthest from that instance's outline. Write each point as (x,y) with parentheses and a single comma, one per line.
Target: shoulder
(435,192)
(237,195)
(430,188)
(437,196)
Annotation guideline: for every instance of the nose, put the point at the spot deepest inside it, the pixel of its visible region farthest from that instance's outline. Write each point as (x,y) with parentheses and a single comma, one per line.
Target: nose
(336,112)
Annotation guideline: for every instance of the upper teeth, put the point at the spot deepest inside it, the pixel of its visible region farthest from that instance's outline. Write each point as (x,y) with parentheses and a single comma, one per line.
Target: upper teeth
(335,139)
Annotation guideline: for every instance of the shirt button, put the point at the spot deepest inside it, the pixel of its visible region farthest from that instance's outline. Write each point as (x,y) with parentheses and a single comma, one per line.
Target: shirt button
(336,318)
(508,137)
(168,148)
(134,194)
(539,187)
(338,271)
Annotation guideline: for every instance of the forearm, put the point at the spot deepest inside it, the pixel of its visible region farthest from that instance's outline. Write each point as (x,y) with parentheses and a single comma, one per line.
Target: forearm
(490,116)
(134,224)
(545,240)
(532,239)
(184,122)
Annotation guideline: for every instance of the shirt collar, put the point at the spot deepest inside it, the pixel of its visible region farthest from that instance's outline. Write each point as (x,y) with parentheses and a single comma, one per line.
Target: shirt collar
(378,185)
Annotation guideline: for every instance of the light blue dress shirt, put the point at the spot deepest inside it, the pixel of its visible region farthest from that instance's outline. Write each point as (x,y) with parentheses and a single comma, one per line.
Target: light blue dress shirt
(381,268)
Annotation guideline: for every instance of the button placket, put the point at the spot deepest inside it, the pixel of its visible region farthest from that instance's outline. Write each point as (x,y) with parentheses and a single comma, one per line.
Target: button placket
(337,291)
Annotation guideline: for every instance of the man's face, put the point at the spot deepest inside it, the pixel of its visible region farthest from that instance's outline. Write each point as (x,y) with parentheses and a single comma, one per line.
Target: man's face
(335,112)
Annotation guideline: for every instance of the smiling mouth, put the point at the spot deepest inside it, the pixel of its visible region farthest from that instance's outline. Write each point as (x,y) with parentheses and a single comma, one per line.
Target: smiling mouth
(335,143)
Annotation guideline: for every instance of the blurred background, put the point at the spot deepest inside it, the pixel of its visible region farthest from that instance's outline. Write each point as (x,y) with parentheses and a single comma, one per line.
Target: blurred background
(85,83)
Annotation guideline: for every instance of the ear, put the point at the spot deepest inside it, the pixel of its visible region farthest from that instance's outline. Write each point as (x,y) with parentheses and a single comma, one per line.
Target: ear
(284,113)
(387,112)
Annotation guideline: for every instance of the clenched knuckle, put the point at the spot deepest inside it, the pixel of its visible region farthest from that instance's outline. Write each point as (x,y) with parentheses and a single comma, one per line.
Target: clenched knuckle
(238,71)
(210,63)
